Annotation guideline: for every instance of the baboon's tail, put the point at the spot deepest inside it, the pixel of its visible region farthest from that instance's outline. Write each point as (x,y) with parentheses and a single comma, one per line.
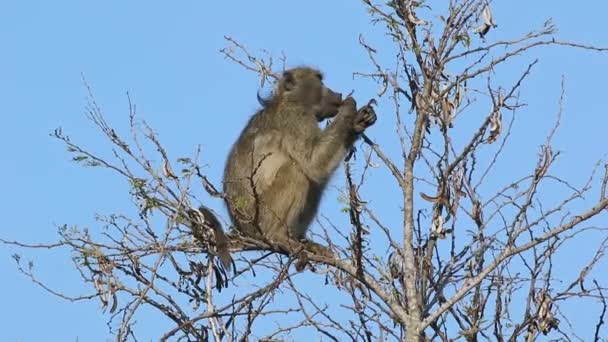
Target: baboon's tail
(221,241)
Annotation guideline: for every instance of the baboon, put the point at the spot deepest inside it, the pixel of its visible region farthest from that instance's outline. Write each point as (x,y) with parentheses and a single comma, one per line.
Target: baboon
(279,166)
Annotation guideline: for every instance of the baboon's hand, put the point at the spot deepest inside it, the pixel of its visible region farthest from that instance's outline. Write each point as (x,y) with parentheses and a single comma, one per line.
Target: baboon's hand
(366,116)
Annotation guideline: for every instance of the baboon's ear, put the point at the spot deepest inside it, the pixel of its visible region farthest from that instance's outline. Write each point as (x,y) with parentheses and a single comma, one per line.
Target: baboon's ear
(289,81)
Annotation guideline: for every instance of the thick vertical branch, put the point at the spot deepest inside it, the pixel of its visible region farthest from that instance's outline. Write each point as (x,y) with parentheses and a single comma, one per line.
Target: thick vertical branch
(410,263)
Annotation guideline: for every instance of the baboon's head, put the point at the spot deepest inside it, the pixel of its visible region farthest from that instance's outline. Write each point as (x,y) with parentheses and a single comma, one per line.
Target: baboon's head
(304,86)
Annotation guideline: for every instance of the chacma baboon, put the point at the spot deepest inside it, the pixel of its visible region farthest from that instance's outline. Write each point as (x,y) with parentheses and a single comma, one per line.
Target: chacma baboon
(279,166)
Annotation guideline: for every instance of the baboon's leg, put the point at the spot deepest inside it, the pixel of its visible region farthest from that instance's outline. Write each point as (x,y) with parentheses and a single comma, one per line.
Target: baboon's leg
(284,201)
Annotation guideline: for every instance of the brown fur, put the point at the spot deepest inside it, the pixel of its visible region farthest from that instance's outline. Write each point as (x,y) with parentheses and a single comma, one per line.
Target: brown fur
(278,168)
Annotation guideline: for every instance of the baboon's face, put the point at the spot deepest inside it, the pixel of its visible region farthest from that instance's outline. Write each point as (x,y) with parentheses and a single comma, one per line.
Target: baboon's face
(329,104)
(305,86)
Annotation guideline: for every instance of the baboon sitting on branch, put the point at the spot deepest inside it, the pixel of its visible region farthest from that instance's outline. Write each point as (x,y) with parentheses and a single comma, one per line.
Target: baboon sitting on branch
(279,166)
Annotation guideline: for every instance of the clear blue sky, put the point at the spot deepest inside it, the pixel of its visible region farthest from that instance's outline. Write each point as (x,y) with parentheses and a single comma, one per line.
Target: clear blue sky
(165,54)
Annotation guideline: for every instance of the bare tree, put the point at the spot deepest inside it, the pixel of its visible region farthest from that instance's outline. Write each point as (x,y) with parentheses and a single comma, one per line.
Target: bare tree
(469,255)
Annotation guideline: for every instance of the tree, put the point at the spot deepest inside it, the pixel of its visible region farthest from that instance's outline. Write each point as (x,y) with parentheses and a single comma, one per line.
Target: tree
(469,254)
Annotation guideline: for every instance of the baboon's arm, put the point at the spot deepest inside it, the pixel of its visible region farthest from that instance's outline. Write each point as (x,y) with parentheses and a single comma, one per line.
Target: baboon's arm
(320,157)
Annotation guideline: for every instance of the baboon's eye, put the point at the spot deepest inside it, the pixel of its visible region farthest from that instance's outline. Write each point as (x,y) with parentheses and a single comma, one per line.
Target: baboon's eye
(289,80)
